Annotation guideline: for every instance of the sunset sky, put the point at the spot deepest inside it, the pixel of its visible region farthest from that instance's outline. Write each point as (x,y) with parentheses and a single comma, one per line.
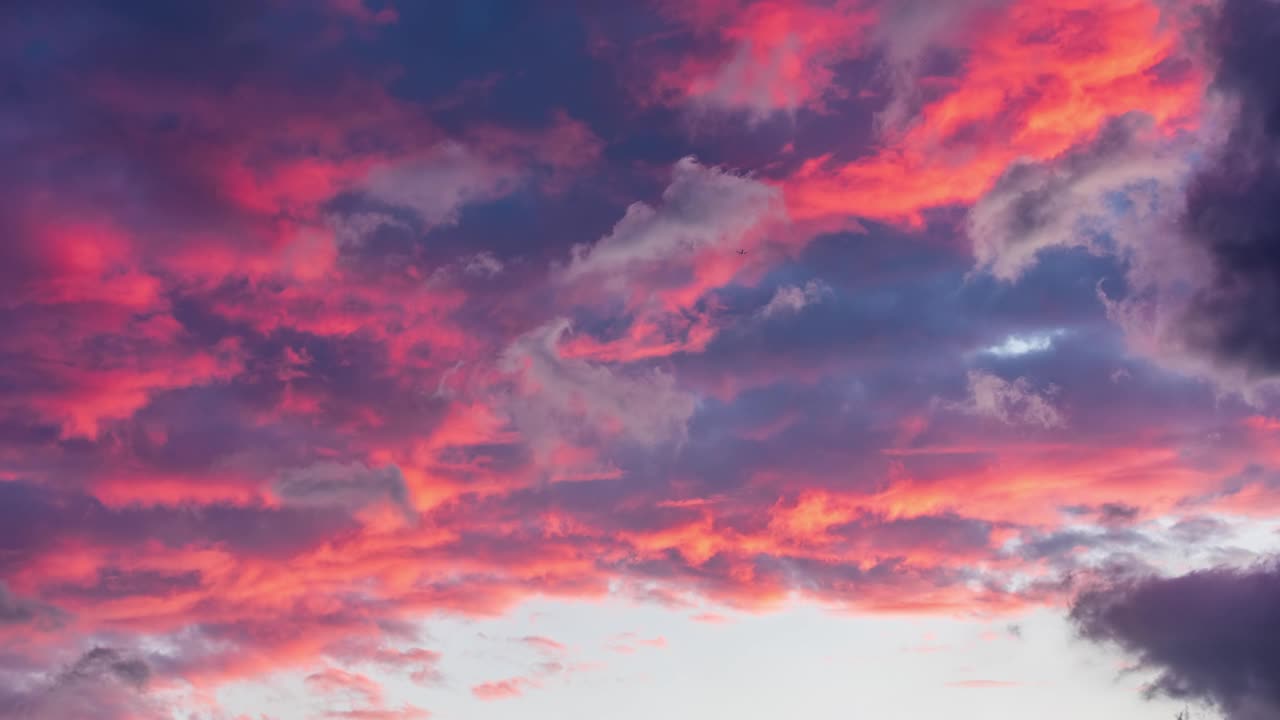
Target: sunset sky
(687,359)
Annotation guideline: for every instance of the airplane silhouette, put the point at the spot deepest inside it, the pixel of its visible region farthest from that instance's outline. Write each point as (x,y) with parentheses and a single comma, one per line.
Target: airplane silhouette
(742,252)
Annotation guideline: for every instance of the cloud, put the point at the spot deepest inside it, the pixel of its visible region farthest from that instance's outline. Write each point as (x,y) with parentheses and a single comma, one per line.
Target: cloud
(436,186)
(212,400)
(704,208)
(1011,402)
(776,57)
(516,686)
(1200,529)
(341,687)
(1208,635)
(628,643)
(1190,215)
(27,511)
(15,610)
(1062,547)
(437,183)
(1029,89)
(346,486)
(661,264)
(558,397)
(332,681)
(422,664)
(1079,199)
(502,689)
(791,299)
(101,683)
(909,34)
(1017,345)
(1231,209)
(483,264)
(543,644)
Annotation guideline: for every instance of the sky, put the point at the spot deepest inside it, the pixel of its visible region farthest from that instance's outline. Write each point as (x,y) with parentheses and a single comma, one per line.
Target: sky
(389,360)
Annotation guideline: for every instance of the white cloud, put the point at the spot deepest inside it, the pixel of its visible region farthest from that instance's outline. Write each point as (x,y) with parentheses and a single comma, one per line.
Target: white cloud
(1094,194)
(791,299)
(484,264)
(560,398)
(436,186)
(1012,403)
(703,208)
(1016,345)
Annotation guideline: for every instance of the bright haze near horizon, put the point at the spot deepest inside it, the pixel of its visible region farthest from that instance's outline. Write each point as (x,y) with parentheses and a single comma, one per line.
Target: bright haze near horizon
(486,359)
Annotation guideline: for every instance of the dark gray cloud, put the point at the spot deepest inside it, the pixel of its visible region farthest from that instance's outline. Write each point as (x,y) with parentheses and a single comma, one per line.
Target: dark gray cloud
(1210,635)
(102,661)
(1109,514)
(1232,211)
(1193,218)
(1061,545)
(351,486)
(102,683)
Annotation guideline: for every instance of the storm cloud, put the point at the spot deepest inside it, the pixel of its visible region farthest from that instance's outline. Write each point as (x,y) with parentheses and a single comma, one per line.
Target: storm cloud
(1209,635)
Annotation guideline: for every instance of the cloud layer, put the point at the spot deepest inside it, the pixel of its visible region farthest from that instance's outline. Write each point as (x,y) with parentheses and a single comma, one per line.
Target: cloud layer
(1204,633)
(322,319)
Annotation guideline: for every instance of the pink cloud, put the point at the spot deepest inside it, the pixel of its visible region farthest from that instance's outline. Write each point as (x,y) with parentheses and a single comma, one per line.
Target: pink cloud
(777,56)
(502,689)
(290,402)
(544,644)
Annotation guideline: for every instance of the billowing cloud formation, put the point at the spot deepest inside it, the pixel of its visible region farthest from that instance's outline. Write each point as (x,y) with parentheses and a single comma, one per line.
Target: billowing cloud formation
(1073,199)
(1231,213)
(1208,635)
(1198,237)
(322,319)
(1035,82)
